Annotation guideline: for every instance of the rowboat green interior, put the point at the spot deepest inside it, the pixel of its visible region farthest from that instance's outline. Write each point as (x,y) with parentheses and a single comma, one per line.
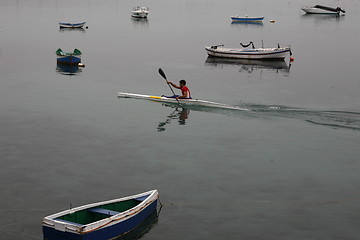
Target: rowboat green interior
(76,52)
(90,215)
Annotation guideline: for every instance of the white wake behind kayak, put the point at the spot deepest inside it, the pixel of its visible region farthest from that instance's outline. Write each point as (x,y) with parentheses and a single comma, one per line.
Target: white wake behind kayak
(190,102)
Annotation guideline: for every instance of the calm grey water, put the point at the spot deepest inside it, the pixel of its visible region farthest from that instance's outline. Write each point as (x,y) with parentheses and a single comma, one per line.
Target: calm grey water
(286,169)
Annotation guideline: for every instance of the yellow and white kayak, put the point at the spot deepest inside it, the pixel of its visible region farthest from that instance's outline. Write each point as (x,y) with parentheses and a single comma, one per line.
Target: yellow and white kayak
(189,102)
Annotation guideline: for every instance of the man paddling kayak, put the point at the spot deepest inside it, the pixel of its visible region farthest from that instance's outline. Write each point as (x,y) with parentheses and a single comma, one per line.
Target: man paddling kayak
(185,91)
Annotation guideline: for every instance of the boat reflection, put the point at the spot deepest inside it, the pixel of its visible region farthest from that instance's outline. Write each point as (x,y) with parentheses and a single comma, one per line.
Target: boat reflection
(323,18)
(179,113)
(65,69)
(247,24)
(248,65)
(72,30)
(140,22)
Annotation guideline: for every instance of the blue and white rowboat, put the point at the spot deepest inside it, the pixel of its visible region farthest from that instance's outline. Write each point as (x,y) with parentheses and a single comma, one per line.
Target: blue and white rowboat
(71,25)
(246,19)
(102,220)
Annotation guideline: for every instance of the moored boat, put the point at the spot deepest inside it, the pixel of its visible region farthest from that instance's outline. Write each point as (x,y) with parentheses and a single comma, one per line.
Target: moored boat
(140,12)
(236,18)
(102,220)
(73,58)
(278,53)
(319,9)
(71,25)
(183,102)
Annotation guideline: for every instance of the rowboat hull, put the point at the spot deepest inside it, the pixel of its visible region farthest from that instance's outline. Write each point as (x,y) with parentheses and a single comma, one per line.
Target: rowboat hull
(183,102)
(140,12)
(96,222)
(71,25)
(69,60)
(247,19)
(73,58)
(258,53)
(66,69)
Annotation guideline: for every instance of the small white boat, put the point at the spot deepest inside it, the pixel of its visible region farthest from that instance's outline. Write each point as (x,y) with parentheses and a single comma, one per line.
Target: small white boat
(185,102)
(71,25)
(101,220)
(278,53)
(245,19)
(319,9)
(140,12)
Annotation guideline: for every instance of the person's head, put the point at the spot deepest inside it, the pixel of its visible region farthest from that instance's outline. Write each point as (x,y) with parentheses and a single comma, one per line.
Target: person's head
(182,82)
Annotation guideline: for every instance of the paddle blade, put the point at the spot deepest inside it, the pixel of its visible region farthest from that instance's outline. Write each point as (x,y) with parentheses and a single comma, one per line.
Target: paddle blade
(162,73)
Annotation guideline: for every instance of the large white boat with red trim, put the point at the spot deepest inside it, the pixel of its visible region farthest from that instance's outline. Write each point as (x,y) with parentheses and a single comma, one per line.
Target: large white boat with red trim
(278,53)
(102,220)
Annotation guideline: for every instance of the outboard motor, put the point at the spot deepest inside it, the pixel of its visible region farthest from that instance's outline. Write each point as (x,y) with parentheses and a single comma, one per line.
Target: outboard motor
(340,10)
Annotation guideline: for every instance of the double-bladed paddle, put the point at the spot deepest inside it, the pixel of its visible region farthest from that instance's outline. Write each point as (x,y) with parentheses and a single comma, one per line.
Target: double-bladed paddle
(164,76)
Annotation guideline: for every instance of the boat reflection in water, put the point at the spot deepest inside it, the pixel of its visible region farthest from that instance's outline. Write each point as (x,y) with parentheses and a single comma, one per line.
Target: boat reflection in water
(250,24)
(140,22)
(322,18)
(249,65)
(72,30)
(179,113)
(66,69)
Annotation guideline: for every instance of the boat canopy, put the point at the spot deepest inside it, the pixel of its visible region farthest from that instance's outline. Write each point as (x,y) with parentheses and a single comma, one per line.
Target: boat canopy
(338,9)
(60,52)
(246,45)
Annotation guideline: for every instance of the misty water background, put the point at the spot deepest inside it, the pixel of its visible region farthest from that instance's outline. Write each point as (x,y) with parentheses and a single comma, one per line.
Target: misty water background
(286,169)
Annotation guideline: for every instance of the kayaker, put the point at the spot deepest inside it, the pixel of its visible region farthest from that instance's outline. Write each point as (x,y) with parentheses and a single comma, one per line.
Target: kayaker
(185,91)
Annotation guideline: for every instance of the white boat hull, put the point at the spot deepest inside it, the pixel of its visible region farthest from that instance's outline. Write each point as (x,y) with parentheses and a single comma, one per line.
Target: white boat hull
(190,102)
(258,53)
(140,12)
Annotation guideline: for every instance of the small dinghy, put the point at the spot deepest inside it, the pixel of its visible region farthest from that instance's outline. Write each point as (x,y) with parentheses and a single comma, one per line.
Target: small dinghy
(245,19)
(102,220)
(71,25)
(73,58)
(140,12)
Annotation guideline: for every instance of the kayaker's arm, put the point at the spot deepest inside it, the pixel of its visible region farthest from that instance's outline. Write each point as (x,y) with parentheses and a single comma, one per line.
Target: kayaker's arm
(174,85)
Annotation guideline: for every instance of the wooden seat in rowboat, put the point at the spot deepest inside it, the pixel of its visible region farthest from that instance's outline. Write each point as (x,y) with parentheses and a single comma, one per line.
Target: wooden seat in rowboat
(103,211)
